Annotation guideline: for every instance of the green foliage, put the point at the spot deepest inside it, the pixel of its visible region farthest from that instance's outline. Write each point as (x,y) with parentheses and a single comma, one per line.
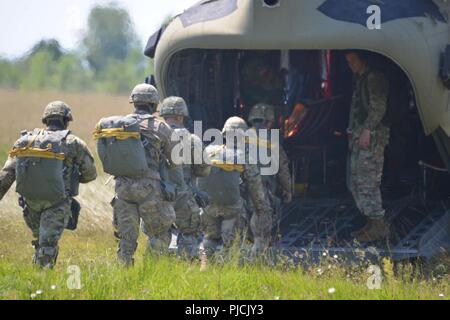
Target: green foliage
(168,277)
(110,60)
(110,35)
(10,72)
(51,46)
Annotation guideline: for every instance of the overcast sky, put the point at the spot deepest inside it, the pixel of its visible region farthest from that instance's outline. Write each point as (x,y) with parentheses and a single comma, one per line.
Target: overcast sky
(25,22)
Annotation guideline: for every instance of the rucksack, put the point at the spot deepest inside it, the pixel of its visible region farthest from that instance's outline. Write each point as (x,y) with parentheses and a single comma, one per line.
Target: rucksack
(40,165)
(223,183)
(120,147)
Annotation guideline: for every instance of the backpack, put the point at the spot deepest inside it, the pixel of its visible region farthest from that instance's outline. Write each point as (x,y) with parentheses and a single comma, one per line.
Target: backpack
(120,147)
(40,165)
(223,183)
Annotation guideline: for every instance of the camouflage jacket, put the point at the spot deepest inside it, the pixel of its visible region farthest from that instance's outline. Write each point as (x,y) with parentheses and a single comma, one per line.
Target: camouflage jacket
(284,176)
(282,180)
(157,138)
(369,103)
(184,174)
(78,161)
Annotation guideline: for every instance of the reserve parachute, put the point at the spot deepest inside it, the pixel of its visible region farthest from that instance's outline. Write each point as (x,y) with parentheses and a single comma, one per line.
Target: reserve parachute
(40,165)
(119,145)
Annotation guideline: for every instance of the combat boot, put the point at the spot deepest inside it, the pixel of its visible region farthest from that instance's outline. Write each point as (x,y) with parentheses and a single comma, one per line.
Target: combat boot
(259,247)
(158,245)
(46,257)
(376,229)
(126,261)
(188,246)
(210,247)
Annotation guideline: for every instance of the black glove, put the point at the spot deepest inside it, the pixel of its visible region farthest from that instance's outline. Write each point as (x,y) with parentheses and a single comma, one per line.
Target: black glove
(73,221)
(169,191)
(202,199)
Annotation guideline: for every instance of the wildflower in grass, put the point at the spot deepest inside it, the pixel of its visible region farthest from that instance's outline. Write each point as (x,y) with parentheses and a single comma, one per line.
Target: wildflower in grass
(324,254)
(38,292)
(331,290)
(335,256)
(33,295)
(441,295)
(53,287)
(277,298)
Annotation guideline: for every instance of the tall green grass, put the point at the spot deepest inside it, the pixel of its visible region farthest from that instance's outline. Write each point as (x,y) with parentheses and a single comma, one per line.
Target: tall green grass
(168,277)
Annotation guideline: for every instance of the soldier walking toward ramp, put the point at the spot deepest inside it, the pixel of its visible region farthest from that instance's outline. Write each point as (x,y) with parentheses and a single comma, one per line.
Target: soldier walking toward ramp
(48,165)
(132,149)
(174,110)
(223,186)
(369,131)
(262,117)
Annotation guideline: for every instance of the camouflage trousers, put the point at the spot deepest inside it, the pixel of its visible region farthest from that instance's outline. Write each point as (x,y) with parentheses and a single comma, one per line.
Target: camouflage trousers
(366,170)
(136,200)
(262,225)
(188,224)
(220,223)
(47,222)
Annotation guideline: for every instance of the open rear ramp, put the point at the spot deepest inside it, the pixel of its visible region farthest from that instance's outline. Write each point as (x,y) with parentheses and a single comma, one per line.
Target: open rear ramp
(311,227)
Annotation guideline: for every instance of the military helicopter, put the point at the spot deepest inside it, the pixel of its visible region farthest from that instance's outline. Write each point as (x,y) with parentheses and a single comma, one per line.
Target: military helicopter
(219,53)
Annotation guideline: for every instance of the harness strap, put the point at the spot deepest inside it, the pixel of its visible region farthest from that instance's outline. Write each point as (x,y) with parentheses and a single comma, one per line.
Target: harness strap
(36,153)
(118,133)
(227,166)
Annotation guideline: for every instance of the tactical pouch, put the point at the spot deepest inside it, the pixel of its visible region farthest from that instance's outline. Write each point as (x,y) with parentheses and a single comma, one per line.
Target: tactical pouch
(169,191)
(73,221)
(75,181)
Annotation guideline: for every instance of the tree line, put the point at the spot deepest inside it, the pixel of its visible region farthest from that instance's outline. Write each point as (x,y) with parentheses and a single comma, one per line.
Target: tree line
(109,59)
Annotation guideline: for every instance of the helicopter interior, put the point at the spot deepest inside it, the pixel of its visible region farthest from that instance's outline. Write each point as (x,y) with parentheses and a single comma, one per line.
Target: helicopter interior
(312,92)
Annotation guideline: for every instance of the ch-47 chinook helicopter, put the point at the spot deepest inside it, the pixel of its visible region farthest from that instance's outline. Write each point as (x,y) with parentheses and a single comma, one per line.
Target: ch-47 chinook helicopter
(223,56)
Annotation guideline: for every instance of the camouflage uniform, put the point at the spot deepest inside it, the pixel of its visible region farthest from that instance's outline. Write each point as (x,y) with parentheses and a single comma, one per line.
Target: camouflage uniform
(280,183)
(220,221)
(183,176)
(368,111)
(142,197)
(47,220)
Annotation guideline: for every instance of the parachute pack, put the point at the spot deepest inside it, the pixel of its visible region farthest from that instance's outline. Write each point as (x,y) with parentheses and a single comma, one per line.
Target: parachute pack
(224,169)
(40,165)
(119,145)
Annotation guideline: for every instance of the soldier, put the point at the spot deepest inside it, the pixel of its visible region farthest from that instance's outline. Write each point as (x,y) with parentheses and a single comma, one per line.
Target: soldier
(143,197)
(174,110)
(223,186)
(369,135)
(262,116)
(48,164)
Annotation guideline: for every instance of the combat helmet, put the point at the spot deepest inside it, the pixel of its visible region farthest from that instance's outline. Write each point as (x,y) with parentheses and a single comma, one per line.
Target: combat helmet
(262,112)
(144,94)
(57,109)
(173,106)
(233,124)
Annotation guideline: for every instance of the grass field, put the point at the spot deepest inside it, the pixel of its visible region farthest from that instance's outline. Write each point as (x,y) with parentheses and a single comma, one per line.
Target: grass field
(92,247)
